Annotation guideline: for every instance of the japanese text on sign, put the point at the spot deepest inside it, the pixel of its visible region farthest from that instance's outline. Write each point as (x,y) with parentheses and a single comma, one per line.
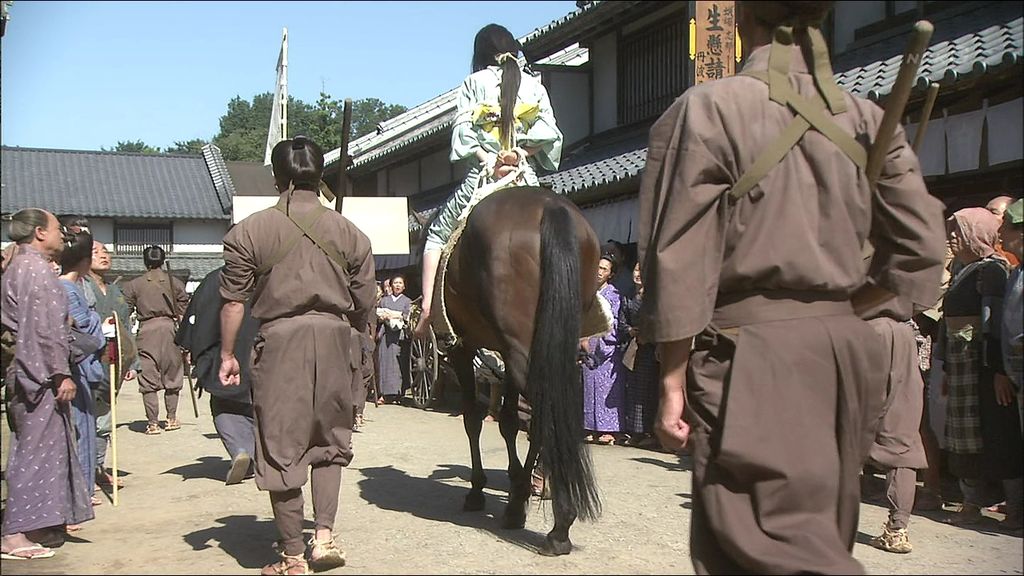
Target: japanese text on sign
(715,41)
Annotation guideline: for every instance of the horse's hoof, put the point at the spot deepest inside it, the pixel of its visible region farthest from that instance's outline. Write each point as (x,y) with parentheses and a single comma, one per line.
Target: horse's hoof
(474,502)
(552,547)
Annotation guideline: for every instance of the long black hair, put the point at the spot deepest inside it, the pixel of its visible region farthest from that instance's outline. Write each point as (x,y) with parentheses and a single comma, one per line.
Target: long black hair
(491,42)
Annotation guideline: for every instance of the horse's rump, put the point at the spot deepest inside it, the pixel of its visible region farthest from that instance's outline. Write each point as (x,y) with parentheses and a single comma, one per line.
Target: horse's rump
(496,266)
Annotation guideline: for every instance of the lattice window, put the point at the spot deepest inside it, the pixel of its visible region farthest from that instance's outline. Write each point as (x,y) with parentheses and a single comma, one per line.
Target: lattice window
(652,69)
(134,238)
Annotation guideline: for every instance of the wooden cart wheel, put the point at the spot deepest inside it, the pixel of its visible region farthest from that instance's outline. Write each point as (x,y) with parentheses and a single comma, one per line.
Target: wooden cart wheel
(423,368)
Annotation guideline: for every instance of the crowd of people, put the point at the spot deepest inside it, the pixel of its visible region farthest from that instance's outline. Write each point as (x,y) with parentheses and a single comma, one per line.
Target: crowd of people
(290,338)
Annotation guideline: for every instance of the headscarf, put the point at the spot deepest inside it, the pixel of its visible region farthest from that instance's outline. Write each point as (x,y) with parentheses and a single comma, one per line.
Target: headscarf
(979,231)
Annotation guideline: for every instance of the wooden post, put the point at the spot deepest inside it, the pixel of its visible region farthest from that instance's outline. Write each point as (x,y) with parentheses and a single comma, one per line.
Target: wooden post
(343,158)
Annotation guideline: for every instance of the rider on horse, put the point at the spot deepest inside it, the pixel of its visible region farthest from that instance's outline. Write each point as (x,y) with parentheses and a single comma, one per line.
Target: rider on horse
(504,122)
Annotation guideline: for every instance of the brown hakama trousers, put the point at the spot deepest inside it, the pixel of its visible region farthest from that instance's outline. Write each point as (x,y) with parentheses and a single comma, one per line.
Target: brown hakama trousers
(302,371)
(161,367)
(782,397)
(897,448)
(303,368)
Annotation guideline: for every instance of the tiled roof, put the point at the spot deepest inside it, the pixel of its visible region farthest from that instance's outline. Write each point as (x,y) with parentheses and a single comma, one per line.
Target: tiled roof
(410,126)
(109,184)
(198,265)
(251,179)
(599,165)
(971,40)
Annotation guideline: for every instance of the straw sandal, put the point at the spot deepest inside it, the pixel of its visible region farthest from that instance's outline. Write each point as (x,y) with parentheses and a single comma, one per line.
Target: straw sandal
(28,553)
(287,565)
(325,555)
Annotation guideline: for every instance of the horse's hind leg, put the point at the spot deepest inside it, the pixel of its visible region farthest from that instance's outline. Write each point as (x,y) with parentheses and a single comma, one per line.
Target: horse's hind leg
(519,479)
(557,541)
(472,420)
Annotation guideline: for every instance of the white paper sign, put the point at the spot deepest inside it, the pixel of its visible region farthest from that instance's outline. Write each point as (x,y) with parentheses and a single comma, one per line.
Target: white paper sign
(384,220)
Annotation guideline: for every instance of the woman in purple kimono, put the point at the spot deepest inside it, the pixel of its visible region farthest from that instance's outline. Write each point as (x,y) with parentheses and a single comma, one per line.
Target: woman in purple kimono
(603,373)
(45,487)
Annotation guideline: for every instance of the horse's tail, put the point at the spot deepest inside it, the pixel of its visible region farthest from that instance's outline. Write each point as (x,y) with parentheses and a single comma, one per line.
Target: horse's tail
(553,379)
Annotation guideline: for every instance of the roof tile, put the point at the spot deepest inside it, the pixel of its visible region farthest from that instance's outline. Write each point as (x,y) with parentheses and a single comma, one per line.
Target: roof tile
(108,184)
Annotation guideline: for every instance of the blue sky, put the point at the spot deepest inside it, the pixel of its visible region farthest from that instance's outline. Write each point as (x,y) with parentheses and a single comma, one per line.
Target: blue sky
(84,75)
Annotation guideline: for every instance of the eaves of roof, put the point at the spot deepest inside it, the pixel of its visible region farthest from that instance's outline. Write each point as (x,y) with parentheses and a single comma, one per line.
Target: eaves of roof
(554,35)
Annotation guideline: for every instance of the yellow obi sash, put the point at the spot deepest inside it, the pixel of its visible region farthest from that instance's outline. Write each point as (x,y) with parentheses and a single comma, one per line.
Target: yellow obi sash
(488,117)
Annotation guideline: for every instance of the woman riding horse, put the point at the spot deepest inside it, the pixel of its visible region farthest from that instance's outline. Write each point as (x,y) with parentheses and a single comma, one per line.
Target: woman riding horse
(520,281)
(503,121)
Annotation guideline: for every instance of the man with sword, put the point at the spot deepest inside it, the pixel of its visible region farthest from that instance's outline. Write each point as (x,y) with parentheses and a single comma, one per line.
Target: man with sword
(159,300)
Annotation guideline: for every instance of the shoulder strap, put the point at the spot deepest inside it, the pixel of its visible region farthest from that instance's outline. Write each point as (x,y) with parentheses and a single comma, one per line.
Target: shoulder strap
(304,227)
(809,113)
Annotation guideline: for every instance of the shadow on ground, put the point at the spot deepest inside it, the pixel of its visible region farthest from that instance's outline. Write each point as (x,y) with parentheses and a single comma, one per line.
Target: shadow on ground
(209,467)
(244,538)
(431,498)
(680,464)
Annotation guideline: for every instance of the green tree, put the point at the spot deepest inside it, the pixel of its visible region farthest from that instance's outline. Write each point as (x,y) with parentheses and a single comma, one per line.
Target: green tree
(243,129)
(193,146)
(137,147)
(367,113)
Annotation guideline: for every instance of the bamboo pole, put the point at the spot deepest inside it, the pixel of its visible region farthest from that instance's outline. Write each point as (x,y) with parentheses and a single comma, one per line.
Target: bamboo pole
(897,100)
(926,114)
(115,380)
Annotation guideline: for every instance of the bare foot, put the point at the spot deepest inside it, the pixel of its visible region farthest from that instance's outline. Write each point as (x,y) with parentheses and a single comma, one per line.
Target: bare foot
(422,329)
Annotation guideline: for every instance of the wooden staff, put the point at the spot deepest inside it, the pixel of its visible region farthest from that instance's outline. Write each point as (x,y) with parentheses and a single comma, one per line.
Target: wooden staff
(343,158)
(897,100)
(926,114)
(115,380)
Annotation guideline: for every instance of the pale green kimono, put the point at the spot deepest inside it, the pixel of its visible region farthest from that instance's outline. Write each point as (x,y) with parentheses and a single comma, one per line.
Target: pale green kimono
(483,88)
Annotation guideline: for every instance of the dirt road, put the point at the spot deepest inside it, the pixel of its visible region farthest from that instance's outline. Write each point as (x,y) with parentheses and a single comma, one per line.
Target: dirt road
(401,512)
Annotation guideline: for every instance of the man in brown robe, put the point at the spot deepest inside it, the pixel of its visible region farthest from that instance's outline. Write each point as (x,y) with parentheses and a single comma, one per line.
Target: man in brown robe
(782,387)
(45,485)
(159,300)
(897,448)
(310,276)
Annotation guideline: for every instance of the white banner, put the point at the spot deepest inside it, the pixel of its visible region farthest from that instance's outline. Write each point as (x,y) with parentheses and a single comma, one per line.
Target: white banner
(279,112)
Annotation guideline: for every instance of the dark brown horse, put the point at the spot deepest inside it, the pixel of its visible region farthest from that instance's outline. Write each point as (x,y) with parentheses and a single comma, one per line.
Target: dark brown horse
(518,283)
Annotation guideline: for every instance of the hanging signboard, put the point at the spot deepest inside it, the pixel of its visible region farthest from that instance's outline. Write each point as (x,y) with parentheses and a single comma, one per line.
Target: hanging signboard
(714,43)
